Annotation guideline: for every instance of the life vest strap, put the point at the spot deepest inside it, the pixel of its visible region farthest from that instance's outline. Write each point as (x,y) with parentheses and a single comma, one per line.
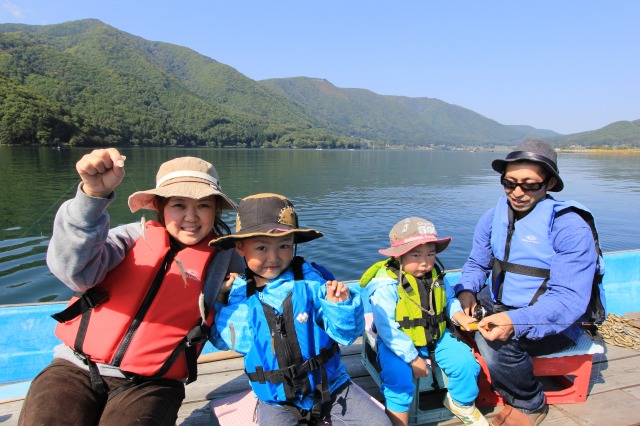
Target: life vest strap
(431,320)
(531,271)
(321,408)
(98,385)
(191,345)
(86,301)
(296,267)
(293,372)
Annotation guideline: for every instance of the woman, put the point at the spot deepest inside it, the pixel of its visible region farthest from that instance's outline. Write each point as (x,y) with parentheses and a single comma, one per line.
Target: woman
(139,318)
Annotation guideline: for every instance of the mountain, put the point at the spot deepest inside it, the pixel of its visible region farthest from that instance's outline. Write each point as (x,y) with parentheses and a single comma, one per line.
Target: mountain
(396,120)
(618,134)
(87,83)
(121,88)
(533,132)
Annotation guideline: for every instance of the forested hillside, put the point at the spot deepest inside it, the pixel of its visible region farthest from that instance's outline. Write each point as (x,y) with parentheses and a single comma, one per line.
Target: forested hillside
(397,120)
(86,83)
(618,134)
(107,86)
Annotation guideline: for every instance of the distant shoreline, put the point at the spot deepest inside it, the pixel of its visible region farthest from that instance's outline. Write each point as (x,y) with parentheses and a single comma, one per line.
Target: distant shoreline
(600,151)
(499,148)
(563,150)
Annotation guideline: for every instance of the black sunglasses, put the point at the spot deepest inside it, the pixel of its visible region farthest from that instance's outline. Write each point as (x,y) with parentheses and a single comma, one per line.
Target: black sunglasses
(525,186)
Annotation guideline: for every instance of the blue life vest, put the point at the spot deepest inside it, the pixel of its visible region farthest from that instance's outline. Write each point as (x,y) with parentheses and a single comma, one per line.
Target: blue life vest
(292,356)
(523,251)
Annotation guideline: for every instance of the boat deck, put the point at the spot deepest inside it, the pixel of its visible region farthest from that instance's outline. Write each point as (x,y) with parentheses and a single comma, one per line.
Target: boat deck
(614,391)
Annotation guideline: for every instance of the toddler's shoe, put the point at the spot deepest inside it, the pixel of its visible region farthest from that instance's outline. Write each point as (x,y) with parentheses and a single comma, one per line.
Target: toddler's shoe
(469,414)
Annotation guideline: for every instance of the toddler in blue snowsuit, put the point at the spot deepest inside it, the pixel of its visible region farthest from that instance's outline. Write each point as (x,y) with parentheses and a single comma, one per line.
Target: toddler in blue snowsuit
(410,304)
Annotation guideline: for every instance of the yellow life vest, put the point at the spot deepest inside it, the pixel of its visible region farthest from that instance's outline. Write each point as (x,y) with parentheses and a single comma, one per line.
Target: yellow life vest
(420,310)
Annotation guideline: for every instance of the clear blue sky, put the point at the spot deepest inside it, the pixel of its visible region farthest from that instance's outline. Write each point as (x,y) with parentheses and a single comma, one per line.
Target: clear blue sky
(564,65)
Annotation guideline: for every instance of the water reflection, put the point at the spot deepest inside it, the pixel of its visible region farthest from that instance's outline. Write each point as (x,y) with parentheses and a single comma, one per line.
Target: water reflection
(353,197)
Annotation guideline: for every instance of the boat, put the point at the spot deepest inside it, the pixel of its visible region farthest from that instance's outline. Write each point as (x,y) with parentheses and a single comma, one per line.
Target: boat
(27,340)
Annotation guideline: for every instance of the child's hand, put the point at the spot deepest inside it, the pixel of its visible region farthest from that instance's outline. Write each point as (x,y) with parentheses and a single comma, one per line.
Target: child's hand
(101,172)
(337,292)
(419,367)
(225,288)
(464,320)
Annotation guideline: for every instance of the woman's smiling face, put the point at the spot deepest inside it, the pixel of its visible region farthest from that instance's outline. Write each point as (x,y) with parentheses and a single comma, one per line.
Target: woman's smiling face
(188,220)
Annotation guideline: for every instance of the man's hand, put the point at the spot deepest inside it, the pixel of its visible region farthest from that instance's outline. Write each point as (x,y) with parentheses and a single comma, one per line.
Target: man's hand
(101,172)
(468,301)
(496,327)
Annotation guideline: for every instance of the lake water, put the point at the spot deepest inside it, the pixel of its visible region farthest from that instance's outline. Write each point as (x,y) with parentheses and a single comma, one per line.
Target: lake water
(354,197)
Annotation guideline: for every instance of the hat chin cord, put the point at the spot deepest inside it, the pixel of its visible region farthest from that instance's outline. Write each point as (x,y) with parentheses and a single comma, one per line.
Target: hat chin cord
(251,281)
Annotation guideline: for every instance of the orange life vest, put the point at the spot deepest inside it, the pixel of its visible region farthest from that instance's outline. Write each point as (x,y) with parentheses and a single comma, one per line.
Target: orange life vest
(142,327)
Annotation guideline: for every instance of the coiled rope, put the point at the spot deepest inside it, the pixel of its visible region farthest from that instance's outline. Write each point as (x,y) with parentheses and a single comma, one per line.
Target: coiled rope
(620,331)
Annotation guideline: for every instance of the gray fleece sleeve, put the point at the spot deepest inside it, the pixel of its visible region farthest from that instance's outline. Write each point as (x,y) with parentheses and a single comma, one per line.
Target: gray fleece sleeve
(83,248)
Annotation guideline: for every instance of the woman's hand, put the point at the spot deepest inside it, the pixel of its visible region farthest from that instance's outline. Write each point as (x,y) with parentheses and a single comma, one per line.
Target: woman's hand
(101,172)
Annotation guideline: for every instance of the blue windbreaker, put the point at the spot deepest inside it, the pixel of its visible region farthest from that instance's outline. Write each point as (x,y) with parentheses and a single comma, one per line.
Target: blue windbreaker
(242,326)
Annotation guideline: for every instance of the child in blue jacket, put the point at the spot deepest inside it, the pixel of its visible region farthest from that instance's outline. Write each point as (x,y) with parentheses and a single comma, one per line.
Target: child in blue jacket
(411,303)
(287,320)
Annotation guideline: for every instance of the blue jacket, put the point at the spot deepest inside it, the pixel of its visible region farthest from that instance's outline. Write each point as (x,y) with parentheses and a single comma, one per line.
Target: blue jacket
(572,260)
(242,326)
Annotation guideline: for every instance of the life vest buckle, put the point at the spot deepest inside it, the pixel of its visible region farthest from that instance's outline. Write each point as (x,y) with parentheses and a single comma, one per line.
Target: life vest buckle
(313,363)
(291,372)
(95,298)
(201,339)
(82,357)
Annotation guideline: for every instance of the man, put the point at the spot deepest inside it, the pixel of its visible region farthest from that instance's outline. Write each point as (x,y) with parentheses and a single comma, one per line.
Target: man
(542,259)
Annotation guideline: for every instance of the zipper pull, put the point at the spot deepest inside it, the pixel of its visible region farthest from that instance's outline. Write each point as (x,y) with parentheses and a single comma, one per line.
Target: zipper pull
(232,331)
(279,324)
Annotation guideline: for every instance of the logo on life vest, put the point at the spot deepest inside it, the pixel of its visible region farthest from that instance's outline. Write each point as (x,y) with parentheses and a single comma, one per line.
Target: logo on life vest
(532,239)
(193,274)
(302,318)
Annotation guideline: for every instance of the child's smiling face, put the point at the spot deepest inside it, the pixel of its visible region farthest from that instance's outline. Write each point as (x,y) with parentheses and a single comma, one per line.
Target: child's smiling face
(267,257)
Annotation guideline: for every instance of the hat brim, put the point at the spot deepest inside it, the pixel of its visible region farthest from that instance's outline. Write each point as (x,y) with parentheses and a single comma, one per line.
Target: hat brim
(275,230)
(501,165)
(197,191)
(441,245)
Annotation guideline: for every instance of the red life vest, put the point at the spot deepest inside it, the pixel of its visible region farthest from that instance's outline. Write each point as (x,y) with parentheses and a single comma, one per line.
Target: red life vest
(141,328)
